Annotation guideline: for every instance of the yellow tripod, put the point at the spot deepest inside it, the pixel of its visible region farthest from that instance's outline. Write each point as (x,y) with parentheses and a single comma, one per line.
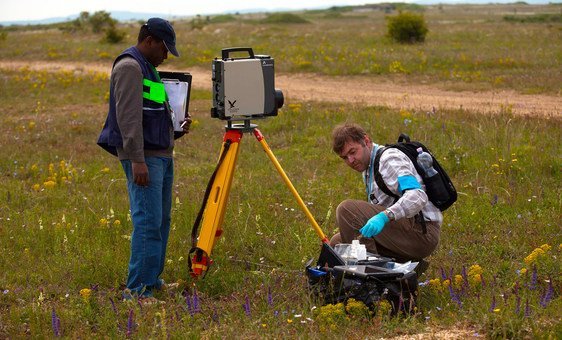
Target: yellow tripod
(216,196)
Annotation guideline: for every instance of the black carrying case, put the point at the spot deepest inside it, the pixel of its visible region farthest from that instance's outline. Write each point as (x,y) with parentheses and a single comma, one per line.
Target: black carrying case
(332,281)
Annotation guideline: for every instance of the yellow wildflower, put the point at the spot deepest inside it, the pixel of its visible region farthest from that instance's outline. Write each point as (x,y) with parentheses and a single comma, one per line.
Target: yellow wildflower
(474,270)
(49,184)
(116,223)
(535,254)
(458,280)
(289,320)
(546,247)
(384,308)
(436,283)
(356,308)
(105,170)
(446,283)
(476,279)
(103,222)
(36,187)
(496,310)
(85,293)
(523,271)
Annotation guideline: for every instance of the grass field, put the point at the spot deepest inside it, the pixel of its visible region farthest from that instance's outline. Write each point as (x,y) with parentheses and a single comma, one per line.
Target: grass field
(65,230)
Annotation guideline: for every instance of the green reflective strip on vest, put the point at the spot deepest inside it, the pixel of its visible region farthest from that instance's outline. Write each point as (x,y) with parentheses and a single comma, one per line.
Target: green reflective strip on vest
(156,91)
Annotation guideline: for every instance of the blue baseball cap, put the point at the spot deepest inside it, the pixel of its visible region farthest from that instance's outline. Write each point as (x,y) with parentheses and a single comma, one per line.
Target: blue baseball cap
(162,29)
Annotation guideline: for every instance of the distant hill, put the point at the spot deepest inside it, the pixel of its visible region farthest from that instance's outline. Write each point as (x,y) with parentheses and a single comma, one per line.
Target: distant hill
(129,16)
(118,15)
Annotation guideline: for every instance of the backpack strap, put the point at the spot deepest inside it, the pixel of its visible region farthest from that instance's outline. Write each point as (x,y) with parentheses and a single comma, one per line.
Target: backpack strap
(382,185)
(378,176)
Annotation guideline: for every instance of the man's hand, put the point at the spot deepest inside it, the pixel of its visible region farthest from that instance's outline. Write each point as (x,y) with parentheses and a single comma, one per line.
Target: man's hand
(140,174)
(186,123)
(374,225)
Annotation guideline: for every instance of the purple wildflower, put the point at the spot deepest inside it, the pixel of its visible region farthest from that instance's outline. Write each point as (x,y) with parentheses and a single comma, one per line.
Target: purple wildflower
(518,305)
(113,305)
(215,317)
(443,275)
(464,274)
(130,323)
(482,281)
(533,284)
(455,296)
(493,305)
(246,306)
(516,288)
(55,322)
(269,297)
(548,294)
(196,304)
(188,302)
(527,308)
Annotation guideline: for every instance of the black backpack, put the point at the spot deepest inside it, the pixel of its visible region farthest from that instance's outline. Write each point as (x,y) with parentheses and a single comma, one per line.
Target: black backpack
(439,188)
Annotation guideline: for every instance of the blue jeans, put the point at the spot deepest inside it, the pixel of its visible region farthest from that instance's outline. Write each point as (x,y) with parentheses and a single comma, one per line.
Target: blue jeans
(150,211)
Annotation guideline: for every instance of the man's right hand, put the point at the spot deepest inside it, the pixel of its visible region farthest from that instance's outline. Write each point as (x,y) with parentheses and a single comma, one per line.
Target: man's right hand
(140,174)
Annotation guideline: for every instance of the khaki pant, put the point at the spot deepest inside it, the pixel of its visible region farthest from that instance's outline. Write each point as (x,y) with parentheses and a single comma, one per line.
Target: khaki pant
(402,240)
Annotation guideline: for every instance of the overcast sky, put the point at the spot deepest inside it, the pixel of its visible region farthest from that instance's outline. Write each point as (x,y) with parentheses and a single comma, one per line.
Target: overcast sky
(12,10)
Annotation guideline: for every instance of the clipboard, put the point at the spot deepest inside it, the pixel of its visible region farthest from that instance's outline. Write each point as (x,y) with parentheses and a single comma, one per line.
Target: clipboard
(178,89)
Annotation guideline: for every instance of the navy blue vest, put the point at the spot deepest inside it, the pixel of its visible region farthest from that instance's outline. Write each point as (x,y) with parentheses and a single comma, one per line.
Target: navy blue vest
(156,121)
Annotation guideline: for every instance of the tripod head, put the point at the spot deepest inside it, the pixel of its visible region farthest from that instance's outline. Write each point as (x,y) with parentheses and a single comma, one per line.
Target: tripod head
(246,126)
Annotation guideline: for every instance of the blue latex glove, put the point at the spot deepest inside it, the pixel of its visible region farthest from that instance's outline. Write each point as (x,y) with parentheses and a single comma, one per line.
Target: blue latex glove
(374,225)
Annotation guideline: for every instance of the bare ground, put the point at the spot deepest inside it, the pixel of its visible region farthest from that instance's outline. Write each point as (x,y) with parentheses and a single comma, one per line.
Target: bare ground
(364,90)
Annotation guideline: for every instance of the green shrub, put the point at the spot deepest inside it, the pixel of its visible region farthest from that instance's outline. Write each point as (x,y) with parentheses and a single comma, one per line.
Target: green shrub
(284,18)
(3,35)
(99,20)
(198,23)
(217,19)
(407,27)
(113,35)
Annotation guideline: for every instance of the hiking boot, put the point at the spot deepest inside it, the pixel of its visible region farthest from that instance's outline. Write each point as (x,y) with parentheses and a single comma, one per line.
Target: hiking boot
(150,300)
(421,267)
(170,287)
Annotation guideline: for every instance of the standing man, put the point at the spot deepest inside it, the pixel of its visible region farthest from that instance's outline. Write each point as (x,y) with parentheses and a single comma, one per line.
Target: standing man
(386,227)
(140,132)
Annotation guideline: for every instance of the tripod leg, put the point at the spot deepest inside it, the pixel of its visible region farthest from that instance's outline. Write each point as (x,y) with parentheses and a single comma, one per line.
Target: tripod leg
(271,156)
(215,206)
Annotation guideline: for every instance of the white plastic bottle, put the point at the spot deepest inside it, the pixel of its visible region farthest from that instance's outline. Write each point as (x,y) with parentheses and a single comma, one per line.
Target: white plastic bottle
(426,162)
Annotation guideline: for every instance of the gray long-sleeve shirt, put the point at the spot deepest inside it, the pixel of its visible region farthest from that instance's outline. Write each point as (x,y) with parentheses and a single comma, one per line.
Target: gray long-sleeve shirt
(126,79)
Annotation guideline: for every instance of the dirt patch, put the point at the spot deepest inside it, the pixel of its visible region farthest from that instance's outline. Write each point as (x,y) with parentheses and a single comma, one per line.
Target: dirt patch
(365,90)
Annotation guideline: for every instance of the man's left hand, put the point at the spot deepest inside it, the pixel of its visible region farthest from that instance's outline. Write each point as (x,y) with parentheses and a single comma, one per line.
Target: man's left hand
(186,123)
(374,225)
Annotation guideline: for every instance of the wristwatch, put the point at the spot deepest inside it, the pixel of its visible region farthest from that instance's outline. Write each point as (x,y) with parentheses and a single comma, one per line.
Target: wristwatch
(390,215)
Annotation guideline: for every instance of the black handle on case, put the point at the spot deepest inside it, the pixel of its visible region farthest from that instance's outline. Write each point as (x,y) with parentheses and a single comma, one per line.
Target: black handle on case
(226,51)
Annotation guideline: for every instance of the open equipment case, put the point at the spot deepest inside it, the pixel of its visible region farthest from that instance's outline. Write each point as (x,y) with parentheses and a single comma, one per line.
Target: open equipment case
(332,280)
